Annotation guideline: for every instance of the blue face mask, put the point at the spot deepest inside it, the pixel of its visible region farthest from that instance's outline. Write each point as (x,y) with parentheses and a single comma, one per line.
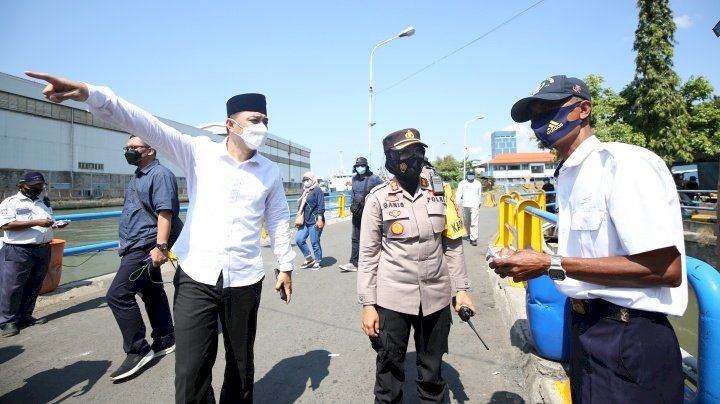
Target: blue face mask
(360,170)
(470,178)
(553,125)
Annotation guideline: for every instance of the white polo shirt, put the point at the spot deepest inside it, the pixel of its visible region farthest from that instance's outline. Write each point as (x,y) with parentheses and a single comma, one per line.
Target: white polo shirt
(227,198)
(21,208)
(616,199)
(469,193)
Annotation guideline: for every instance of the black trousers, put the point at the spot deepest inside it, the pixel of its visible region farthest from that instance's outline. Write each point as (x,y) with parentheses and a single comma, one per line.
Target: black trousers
(355,251)
(197,308)
(121,300)
(22,272)
(624,362)
(431,343)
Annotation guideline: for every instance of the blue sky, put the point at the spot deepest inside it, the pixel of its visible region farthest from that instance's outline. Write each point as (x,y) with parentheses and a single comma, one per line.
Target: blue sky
(182,60)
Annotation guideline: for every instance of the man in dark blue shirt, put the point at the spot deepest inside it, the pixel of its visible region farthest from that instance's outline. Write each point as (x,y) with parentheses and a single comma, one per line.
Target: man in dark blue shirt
(149,218)
(362,182)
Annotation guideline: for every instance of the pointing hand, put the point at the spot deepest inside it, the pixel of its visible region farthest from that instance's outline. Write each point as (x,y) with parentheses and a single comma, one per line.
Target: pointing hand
(60,89)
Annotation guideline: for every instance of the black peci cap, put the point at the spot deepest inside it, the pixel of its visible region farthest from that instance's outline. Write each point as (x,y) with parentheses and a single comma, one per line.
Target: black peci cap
(551,89)
(246,102)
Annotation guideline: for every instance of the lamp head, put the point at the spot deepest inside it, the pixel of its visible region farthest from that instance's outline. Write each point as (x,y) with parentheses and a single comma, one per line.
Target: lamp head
(409,31)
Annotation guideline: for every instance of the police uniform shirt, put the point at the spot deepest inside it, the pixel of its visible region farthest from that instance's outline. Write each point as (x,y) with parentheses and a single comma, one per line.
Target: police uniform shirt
(21,208)
(228,198)
(616,199)
(405,263)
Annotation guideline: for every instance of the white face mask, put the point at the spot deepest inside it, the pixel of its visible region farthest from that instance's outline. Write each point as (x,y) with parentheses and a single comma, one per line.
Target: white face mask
(307,183)
(253,135)
(360,170)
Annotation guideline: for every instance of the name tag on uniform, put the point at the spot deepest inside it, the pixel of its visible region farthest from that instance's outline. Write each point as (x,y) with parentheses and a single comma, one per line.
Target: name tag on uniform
(23,211)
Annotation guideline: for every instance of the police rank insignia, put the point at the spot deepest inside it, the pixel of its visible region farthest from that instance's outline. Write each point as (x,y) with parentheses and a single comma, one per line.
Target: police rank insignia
(424,182)
(392,198)
(394,213)
(394,185)
(397,228)
(403,167)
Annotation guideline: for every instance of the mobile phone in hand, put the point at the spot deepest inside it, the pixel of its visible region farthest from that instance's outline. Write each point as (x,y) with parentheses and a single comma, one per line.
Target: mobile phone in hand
(283,295)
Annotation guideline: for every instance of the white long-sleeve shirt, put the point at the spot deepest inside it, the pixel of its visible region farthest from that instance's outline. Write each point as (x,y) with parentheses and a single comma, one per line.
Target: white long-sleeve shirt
(227,198)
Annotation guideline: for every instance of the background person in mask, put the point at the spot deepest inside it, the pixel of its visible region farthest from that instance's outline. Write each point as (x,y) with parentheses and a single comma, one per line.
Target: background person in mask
(150,211)
(312,201)
(408,271)
(27,225)
(620,255)
(470,196)
(362,182)
(231,188)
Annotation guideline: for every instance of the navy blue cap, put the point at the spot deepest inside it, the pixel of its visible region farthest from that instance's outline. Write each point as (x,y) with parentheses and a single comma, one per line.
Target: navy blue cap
(32,178)
(551,89)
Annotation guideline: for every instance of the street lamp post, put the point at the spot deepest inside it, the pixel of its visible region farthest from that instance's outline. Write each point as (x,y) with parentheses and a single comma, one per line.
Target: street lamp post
(409,31)
(465,141)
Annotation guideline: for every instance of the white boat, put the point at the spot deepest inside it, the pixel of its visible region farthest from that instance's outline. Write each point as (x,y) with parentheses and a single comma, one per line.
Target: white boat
(341,182)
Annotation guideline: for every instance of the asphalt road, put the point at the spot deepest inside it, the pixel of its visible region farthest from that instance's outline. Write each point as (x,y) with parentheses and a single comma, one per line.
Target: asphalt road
(311,351)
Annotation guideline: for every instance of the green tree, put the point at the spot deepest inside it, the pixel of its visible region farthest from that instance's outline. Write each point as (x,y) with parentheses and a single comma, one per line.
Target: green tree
(704,121)
(655,107)
(449,168)
(606,105)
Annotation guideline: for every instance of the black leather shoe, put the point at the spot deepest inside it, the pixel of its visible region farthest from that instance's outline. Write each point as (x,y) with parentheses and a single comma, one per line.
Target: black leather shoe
(31,321)
(9,329)
(474,243)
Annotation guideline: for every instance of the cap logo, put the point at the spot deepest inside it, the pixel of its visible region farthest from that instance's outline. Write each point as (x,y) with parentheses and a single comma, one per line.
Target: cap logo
(409,135)
(545,83)
(553,127)
(577,88)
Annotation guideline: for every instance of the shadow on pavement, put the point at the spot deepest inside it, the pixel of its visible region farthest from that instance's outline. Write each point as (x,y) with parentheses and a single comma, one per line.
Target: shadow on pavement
(505,397)
(95,303)
(517,336)
(9,352)
(58,385)
(287,380)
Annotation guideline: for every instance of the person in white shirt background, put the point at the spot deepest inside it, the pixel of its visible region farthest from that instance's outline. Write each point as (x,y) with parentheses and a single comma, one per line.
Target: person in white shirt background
(27,224)
(620,255)
(469,196)
(231,188)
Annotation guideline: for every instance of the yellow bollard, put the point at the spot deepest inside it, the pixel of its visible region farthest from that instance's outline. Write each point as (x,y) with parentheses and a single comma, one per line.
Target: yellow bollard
(341,205)
(490,200)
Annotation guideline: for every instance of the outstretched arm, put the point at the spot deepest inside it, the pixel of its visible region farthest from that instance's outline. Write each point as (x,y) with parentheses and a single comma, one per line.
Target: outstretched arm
(59,89)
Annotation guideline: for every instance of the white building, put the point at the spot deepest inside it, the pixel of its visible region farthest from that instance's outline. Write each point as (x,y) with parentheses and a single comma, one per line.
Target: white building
(81,156)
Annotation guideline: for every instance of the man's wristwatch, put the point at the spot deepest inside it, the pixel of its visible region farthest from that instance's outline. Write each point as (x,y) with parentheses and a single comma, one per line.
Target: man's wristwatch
(556,272)
(161,246)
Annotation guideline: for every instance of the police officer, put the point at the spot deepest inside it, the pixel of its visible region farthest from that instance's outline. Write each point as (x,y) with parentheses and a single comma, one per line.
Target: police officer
(27,223)
(407,272)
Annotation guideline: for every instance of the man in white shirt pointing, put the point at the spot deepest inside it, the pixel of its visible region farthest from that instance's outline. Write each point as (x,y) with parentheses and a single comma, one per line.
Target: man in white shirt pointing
(231,188)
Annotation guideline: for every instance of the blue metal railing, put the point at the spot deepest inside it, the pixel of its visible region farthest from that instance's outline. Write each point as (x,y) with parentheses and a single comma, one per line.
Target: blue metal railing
(116,213)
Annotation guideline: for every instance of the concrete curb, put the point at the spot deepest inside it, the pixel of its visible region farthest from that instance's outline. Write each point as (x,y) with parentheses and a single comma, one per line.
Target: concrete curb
(541,375)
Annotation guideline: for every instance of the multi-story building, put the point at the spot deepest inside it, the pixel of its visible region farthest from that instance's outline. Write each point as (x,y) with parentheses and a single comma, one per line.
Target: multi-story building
(518,168)
(503,142)
(81,156)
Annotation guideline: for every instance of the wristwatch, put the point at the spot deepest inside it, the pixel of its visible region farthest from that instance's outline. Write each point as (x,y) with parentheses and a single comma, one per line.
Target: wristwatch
(556,272)
(161,246)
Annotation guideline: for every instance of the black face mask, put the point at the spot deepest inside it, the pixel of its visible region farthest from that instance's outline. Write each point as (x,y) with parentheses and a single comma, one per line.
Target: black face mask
(133,157)
(406,171)
(33,194)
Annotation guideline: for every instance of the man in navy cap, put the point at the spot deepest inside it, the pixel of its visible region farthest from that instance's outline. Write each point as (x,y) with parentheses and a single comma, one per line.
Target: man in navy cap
(231,188)
(27,224)
(620,255)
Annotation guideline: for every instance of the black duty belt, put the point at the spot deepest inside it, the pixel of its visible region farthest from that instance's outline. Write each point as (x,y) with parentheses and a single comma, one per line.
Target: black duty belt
(602,308)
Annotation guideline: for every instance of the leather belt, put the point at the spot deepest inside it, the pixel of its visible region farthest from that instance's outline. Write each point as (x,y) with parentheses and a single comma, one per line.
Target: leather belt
(605,309)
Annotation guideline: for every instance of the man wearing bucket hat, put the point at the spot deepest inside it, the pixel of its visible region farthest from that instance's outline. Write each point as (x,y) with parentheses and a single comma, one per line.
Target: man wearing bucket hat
(27,224)
(620,255)
(362,182)
(408,271)
(231,188)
